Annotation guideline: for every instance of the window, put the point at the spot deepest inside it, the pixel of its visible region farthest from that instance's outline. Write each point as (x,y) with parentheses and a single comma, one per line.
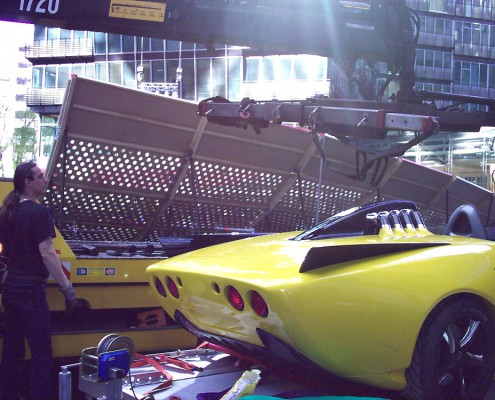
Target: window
(146,71)
(114,45)
(203,78)
(430,25)
(65,34)
(128,44)
(300,70)
(187,46)
(37,81)
(100,43)
(253,69)
(63,76)
(447,61)
(142,44)
(188,89)
(39,32)
(466,33)
(420,58)
(47,138)
(48,119)
(129,74)
(53,33)
(158,71)
(115,72)
(101,71)
(218,77)
(157,44)
(285,68)
(438,5)
(50,77)
(473,74)
(428,58)
(89,71)
(476,34)
(483,75)
(465,73)
(78,69)
(173,45)
(269,68)
(79,34)
(438,59)
(171,69)
(491,76)
(234,78)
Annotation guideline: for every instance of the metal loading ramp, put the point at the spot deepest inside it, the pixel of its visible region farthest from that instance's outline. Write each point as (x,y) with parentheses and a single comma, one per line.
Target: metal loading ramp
(131,166)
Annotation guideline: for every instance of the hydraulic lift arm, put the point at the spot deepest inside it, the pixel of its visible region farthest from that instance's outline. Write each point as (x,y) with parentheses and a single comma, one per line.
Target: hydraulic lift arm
(354,123)
(352,118)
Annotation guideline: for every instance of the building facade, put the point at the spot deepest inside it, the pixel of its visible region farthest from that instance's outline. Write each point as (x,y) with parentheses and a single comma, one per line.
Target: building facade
(455,54)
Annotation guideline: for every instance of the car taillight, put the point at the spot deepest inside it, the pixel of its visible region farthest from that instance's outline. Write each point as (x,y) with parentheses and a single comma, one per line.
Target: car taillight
(159,287)
(172,287)
(235,298)
(259,305)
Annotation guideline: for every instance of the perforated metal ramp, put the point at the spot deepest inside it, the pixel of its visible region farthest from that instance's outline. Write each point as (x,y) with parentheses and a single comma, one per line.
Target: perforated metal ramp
(130,165)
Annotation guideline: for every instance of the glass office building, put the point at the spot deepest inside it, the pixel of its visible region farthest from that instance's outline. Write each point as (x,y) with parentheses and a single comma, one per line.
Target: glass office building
(455,54)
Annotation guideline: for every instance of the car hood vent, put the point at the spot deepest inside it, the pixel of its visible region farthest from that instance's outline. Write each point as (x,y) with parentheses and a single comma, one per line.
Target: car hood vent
(319,257)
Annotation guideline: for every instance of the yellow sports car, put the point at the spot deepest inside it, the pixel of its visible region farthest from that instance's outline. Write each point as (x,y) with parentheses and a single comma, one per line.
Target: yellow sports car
(368,295)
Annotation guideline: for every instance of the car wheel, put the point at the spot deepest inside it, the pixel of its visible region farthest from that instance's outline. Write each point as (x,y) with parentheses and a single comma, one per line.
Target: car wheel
(454,357)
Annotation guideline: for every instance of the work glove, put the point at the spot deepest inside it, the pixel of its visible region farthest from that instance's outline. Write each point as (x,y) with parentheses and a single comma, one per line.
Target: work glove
(70,298)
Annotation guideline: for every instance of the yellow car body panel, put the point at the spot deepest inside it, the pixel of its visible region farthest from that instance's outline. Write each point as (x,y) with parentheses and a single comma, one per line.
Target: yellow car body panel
(358,319)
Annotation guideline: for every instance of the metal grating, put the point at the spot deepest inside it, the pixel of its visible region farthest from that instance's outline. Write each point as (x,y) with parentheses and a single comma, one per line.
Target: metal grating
(133,166)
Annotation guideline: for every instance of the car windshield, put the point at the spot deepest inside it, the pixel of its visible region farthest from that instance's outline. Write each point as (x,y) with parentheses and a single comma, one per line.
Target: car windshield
(352,222)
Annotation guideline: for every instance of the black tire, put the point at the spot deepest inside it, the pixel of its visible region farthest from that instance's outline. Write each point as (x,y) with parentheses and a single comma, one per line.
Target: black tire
(454,357)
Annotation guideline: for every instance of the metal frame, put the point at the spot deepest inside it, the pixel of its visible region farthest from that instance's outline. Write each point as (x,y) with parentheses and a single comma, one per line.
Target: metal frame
(121,170)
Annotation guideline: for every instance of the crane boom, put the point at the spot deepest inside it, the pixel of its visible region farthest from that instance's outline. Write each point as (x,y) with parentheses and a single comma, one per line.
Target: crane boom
(375,30)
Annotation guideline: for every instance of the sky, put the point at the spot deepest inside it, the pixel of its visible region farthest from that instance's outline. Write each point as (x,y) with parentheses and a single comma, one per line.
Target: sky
(12,36)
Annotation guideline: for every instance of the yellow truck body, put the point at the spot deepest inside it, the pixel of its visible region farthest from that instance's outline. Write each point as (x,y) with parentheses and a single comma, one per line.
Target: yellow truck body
(114,289)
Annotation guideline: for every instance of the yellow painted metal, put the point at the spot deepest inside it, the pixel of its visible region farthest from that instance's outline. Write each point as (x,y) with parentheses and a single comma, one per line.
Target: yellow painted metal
(107,283)
(359,319)
(71,344)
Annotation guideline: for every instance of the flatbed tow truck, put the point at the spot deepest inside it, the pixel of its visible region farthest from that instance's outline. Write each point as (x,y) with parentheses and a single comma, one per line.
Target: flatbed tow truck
(177,136)
(109,274)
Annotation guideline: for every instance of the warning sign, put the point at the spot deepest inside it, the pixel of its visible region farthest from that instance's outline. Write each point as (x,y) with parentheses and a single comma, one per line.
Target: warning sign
(135,9)
(96,271)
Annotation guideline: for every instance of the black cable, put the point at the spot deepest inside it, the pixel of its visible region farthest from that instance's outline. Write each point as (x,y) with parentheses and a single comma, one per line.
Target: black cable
(379,172)
(489,210)
(379,157)
(131,385)
(301,199)
(389,79)
(447,216)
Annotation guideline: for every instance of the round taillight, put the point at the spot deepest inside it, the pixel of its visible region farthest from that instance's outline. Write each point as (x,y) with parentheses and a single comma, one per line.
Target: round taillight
(235,298)
(159,287)
(259,305)
(172,287)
